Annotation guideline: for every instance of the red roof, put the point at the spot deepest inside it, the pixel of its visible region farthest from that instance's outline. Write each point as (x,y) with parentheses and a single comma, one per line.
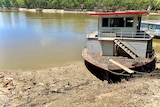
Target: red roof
(120,13)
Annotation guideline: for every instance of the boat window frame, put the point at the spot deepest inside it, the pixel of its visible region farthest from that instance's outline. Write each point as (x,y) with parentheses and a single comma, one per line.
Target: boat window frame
(150,27)
(112,21)
(157,27)
(144,26)
(117,22)
(127,23)
(105,22)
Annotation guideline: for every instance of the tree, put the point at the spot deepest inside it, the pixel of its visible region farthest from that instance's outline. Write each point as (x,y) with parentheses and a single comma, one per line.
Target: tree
(20,3)
(56,4)
(13,3)
(27,3)
(1,3)
(80,4)
(5,3)
(89,4)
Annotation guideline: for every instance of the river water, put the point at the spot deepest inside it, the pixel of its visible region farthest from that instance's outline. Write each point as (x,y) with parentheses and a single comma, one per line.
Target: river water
(41,40)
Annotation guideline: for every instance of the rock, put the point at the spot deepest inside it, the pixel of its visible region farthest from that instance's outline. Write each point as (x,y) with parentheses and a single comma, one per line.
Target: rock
(55,90)
(26,87)
(34,83)
(10,88)
(40,93)
(7,82)
(8,78)
(4,90)
(41,84)
(20,92)
(1,75)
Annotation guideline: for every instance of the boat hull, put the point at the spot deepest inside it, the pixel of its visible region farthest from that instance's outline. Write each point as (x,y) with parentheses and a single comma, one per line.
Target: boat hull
(115,76)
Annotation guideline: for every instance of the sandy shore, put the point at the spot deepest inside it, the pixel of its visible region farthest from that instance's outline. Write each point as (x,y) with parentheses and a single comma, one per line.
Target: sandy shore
(73,85)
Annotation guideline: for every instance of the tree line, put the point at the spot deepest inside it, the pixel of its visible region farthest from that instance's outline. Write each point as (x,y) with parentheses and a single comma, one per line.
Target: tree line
(83,4)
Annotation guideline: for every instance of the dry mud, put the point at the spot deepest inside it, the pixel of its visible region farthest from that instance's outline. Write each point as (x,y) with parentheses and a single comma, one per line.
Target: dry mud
(73,85)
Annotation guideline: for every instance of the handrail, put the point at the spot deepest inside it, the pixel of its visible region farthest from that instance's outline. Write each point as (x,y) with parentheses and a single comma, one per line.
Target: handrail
(154,31)
(138,34)
(125,34)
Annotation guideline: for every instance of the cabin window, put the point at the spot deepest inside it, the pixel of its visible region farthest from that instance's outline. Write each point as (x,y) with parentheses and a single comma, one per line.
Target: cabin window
(154,27)
(104,22)
(158,27)
(116,22)
(150,27)
(142,25)
(129,22)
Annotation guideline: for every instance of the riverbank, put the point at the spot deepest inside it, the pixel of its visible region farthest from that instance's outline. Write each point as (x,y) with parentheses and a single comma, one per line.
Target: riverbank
(47,10)
(73,85)
(63,11)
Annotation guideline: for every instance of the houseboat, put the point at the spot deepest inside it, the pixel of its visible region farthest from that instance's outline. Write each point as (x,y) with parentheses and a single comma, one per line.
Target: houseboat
(153,26)
(118,49)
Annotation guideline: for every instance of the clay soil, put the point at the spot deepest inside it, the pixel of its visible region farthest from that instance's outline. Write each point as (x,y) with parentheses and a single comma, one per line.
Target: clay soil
(72,85)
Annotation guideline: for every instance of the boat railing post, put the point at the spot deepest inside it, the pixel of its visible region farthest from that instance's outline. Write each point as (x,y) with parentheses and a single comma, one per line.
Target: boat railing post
(132,34)
(121,34)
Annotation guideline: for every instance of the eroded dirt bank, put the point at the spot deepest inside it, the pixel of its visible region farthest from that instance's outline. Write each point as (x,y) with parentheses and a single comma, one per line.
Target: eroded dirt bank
(73,85)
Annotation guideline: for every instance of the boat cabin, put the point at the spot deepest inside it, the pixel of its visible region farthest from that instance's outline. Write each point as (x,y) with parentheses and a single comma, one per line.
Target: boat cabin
(119,35)
(119,48)
(153,26)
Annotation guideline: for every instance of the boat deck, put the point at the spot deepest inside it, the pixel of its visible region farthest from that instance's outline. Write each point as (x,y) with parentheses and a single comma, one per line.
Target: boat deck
(103,61)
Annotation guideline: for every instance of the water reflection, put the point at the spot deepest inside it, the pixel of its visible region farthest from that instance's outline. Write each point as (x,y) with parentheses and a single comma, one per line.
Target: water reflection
(39,40)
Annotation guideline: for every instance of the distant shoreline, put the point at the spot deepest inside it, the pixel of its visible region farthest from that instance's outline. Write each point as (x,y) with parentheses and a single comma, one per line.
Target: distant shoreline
(61,10)
(47,10)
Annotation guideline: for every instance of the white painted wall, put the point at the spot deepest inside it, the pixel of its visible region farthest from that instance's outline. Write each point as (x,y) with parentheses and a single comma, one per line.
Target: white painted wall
(138,47)
(107,48)
(94,46)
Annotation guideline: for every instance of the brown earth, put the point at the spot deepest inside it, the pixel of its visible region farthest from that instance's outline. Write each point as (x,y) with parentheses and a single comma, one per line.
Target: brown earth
(73,85)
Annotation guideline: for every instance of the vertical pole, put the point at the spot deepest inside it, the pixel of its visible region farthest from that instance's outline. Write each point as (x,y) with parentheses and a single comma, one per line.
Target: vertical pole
(121,34)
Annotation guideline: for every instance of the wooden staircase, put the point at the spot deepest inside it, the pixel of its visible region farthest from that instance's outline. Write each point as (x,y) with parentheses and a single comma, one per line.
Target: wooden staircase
(126,49)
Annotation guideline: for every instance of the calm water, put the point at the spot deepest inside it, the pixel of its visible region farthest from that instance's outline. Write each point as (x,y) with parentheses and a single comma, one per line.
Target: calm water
(41,40)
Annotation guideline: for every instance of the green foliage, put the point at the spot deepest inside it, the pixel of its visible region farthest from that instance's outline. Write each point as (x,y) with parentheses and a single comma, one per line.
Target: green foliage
(20,3)
(85,4)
